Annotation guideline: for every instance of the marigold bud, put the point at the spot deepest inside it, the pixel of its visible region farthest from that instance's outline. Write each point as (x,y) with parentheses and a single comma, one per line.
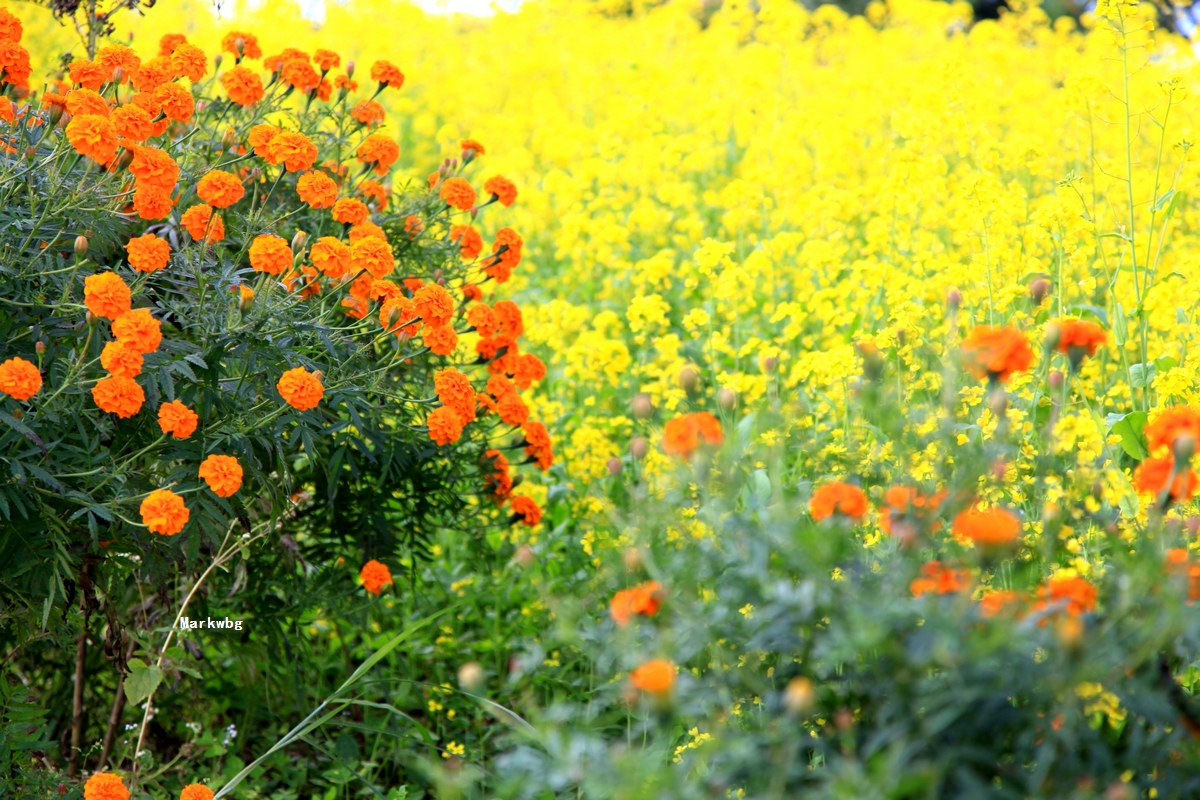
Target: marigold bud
(247,299)
(81,246)
(799,696)
(727,399)
(614,466)
(217,61)
(118,75)
(1184,448)
(641,406)
(525,556)
(1193,525)
(239,44)
(125,159)
(470,676)
(349,69)
(56,114)
(639,447)
(298,241)
(90,318)
(40,348)
(1052,337)
(229,139)
(953,299)
(437,274)
(1038,290)
(689,379)
(1056,380)
(320,376)
(31,152)
(632,558)
(17,413)
(770,363)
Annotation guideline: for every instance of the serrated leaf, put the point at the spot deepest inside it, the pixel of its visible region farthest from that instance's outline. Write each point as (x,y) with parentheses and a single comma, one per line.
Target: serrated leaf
(141,682)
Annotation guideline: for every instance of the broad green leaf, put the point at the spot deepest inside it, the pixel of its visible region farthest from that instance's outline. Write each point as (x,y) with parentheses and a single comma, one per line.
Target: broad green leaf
(1129,428)
(142,681)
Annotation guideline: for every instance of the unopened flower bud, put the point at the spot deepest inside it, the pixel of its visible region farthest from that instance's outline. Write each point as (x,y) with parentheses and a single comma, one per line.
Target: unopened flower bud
(641,405)
(437,274)
(18,413)
(90,318)
(517,481)
(125,160)
(470,676)
(770,363)
(639,447)
(118,75)
(229,139)
(1184,448)
(689,379)
(1053,336)
(255,174)
(59,117)
(441,281)
(298,242)
(1056,380)
(239,45)
(614,466)
(953,299)
(799,696)
(217,59)
(247,300)
(31,152)
(727,399)
(320,376)
(40,348)
(81,246)
(632,558)
(393,317)
(1038,290)
(525,556)
(349,69)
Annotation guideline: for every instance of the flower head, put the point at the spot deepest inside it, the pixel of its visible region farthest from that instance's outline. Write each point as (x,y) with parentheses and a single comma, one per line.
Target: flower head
(105,786)
(1170,424)
(457,193)
(501,189)
(990,527)
(350,211)
(445,425)
(317,189)
(164,512)
(379,151)
(387,74)
(331,256)
(270,254)
(300,389)
(526,510)
(223,474)
(937,578)
(1075,595)
(196,791)
(93,136)
(138,329)
(1078,338)
(656,676)
(375,575)
(118,395)
(176,419)
(220,189)
(243,86)
(292,149)
(121,360)
(148,253)
(241,45)
(106,295)
(374,255)
(837,497)
(1157,472)
(683,434)
(996,353)
(645,599)
(19,379)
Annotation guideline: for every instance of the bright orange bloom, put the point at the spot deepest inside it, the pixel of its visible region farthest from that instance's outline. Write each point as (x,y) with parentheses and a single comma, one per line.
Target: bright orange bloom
(317,189)
(483,319)
(501,189)
(470,242)
(154,167)
(292,149)
(15,67)
(106,295)
(991,527)
(441,340)
(120,396)
(146,102)
(223,474)
(344,82)
(153,73)
(121,360)
(368,112)
(526,510)
(93,136)
(375,192)
(148,253)
(644,599)
(538,444)
(656,676)
(457,193)
(506,255)
(176,419)
(243,86)
(10,26)
(381,152)
(87,74)
(276,63)
(259,137)
(996,353)
(132,122)
(937,578)
(375,575)
(189,62)
(151,202)
(471,147)
(364,229)
(196,791)
(1152,476)
(387,73)
(512,409)
(350,211)
(496,479)
(327,59)
(85,101)
(374,255)
(105,786)
(906,502)
(19,379)
(1168,425)
(1079,337)
(331,256)
(113,56)
(454,390)
(168,42)
(139,330)
(270,254)
(997,601)
(1074,595)
(248,45)
(299,74)
(445,425)
(220,189)
(300,388)
(836,497)
(164,512)
(434,304)
(201,223)
(529,368)
(683,434)
(177,102)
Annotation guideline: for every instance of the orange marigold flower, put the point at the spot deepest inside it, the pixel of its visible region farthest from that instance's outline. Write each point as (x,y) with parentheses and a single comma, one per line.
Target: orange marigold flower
(356,307)
(276,63)
(120,396)
(15,66)
(496,480)
(189,62)
(259,137)
(472,147)
(164,512)
(529,368)
(683,434)
(372,254)
(105,786)
(307,277)
(445,425)
(106,295)
(387,74)
(138,329)
(350,211)
(1154,474)
(146,102)
(512,409)
(53,100)
(327,59)
(998,601)
(506,255)
(1074,595)
(168,42)
(196,791)
(525,510)
(906,503)
(471,292)
(368,112)
(292,149)
(86,101)
(10,26)
(434,304)
(220,189)
(299,74)
(118,55)
(153,73)
(132,122)
(538,444)
(375,192)
(148,253)
(375,575)
(223,474)
(331,256)
(990,527)
(201,223)
(270,254)
(345,82)
(656,676)
(242,45)
(644,599)
(442,340)
(996,353)
(483,319)
(300,388)
(152,166)
(365,229)
(470,242)
(499,386)
(151,202)
(176,419)
(396,313)
(509,315)
(1170,424)
(937,578)
(177,102)
(121,360)
(87,74)
(454,390)
(502,189)
(456,192)
(837,497)
(19,379)
(93,136)
(243,86)
(379,151)
(317,189)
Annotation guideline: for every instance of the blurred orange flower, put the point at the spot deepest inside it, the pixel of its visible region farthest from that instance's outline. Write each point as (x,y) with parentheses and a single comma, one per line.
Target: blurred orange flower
(375,575)
(656,676)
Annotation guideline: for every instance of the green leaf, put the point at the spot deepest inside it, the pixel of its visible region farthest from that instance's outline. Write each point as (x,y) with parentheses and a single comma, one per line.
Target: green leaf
(1177,199)
(1140,375)
(1162,201)
(142,681)
(1129,428)
(1120,332)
